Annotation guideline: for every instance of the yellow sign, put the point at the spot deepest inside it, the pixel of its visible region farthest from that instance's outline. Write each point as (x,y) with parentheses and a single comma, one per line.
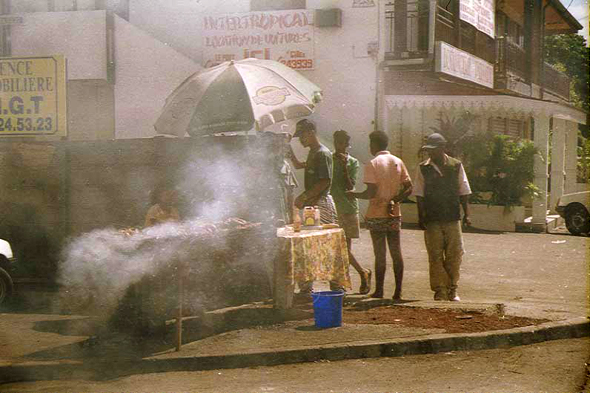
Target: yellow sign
(33,96)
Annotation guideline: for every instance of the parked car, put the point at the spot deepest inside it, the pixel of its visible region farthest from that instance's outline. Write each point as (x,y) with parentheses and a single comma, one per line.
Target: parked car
(574,208)
(6,267)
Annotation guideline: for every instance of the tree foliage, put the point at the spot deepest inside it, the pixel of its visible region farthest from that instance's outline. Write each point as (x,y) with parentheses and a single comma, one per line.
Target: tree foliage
(568,52)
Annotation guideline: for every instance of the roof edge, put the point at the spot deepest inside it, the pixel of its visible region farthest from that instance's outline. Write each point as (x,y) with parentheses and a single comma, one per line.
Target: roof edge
(570,19)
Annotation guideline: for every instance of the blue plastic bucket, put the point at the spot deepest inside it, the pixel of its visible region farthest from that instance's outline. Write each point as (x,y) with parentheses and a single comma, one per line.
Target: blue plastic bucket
(327,308)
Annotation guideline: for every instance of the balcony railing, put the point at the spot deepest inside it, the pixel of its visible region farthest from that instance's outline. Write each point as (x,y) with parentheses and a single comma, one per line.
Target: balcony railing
(408,24)
(510,58)
(556,82)
(408,27)
(445,25)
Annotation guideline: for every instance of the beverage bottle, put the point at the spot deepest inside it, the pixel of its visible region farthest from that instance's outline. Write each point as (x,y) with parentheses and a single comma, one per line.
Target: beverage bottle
(308,216)
(316,214)
(296,220)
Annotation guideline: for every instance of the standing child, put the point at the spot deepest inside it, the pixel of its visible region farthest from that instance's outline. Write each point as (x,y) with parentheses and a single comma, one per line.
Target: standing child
(344,179)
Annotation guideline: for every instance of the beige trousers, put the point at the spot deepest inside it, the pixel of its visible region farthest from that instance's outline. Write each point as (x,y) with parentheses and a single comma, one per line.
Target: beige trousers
(444,243)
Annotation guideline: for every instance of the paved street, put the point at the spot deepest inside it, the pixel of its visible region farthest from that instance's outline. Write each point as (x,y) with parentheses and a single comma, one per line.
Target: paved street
(555,366)
(535,275)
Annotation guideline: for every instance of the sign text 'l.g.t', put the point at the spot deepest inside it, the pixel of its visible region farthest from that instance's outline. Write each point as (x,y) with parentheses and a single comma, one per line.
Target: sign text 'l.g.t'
(33,96)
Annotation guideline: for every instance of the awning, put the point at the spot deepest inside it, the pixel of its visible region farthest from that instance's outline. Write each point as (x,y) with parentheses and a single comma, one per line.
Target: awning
(504,104)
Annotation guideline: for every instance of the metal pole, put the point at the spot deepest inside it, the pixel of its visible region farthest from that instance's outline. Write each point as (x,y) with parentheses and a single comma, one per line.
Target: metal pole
(180,272)
(5,45)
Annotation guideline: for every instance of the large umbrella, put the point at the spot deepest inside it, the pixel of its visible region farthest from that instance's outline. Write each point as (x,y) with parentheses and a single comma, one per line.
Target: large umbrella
(237,96)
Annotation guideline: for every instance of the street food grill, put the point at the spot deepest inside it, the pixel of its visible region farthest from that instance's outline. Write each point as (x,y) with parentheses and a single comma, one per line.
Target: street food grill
(132,274)
(212,265)
(201,229)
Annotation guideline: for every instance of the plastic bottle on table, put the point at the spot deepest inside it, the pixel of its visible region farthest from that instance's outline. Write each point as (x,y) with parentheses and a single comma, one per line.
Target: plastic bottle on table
(296,220)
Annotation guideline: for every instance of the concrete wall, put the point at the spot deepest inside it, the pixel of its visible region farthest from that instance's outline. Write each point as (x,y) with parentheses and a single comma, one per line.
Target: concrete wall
(146,72)
(483,217)
(30,204)
(116,87)
(347,74)
(60,189)
(91,110)
(80,36)
(178,23)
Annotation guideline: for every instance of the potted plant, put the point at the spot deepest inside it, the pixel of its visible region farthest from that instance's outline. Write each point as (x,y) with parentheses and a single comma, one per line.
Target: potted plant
(500,170)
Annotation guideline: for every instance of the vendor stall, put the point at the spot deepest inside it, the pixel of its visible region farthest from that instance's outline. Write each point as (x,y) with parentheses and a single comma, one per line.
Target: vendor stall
(309,255)
(220,249)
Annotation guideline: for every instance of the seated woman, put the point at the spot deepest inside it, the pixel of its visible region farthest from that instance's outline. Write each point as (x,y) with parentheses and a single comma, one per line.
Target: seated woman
(163,208)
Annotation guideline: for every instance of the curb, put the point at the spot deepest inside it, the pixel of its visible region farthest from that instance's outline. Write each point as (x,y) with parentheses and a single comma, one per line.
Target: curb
(436,343)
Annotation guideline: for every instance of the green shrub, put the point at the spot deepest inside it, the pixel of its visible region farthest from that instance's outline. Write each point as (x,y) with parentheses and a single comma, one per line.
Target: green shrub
(501,167)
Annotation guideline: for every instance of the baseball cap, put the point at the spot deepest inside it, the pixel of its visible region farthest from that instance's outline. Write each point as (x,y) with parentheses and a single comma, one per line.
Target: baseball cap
(303,125)
(434,141)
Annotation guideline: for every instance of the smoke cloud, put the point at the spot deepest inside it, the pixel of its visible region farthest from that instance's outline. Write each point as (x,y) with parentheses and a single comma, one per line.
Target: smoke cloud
(99,268)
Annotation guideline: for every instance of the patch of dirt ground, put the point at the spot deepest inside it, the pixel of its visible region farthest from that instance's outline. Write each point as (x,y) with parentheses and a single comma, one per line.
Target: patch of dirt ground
(452,321)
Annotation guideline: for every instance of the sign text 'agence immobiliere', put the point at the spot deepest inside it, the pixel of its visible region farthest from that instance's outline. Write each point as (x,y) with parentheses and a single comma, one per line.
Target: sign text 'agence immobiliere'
(32,96)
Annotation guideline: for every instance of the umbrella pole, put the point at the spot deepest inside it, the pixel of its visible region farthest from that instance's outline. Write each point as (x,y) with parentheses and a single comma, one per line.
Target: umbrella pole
(180,272)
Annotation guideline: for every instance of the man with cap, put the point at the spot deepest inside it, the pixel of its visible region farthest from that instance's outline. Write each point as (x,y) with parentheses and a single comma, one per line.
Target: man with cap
(317,181)
(441,188)
(346,169)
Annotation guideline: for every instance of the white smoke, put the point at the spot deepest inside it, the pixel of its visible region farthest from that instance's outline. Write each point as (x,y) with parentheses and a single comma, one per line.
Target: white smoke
(98,267)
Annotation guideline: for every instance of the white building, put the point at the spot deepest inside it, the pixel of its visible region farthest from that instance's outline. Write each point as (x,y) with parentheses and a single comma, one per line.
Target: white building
(395,65)
(118,76)
(399,65)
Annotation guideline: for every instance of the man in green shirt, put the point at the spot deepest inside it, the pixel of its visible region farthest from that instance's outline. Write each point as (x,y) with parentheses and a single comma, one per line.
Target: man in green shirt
(317,182)
(344,179)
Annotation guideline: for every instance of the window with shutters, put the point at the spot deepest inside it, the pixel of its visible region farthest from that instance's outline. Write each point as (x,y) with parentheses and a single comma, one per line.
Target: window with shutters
(515,128)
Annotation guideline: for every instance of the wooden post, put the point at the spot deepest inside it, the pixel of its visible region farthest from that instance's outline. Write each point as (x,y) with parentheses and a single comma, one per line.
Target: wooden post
(180,272)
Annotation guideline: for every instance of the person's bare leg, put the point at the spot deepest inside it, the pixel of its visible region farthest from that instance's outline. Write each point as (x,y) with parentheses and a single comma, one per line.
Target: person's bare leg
(364,273)
(395,249)
(352,259)
(379,249)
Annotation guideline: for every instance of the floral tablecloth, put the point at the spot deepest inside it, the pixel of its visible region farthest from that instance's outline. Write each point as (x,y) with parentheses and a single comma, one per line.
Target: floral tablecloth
(314,255)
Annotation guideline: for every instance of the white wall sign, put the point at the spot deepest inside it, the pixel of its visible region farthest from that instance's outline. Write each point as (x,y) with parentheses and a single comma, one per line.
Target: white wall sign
(284,36)
(363,3)
(479,13)
(458,63)
(10,20)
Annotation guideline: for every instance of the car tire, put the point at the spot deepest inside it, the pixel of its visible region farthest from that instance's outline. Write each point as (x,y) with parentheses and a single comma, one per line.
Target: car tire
(577,219)
(6,286)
